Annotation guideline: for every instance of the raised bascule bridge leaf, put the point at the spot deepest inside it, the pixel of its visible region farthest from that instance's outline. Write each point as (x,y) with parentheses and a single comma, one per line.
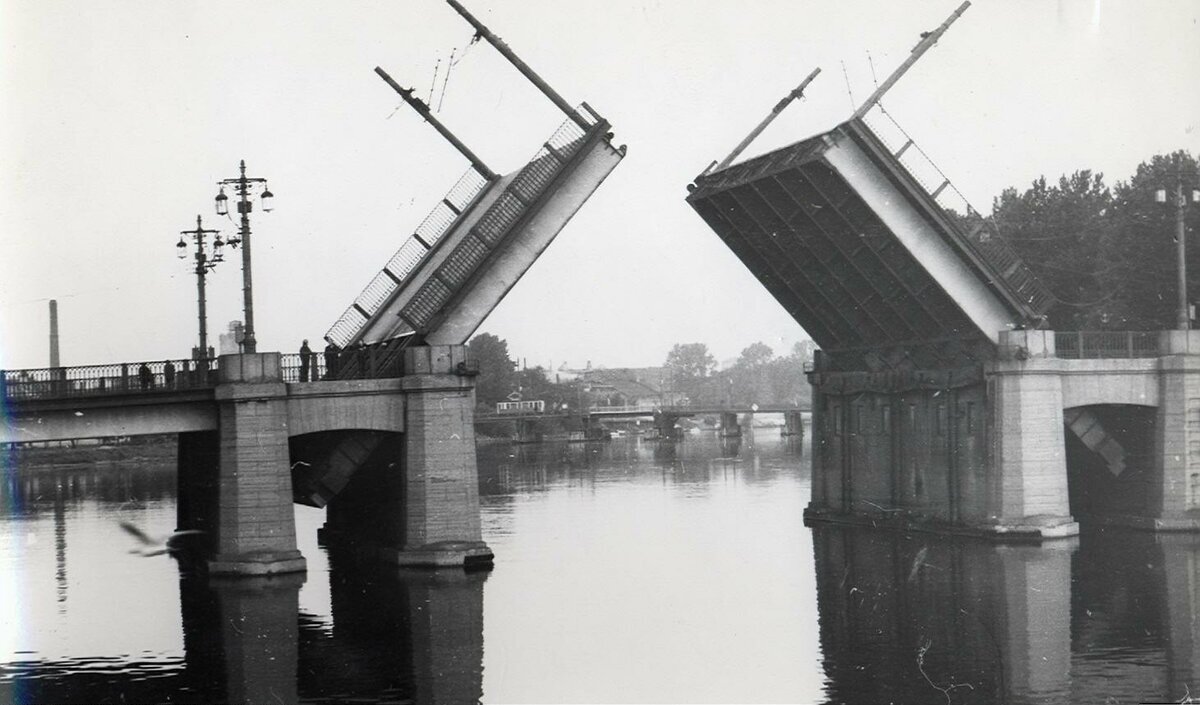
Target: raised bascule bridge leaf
(883,271)
(479,240)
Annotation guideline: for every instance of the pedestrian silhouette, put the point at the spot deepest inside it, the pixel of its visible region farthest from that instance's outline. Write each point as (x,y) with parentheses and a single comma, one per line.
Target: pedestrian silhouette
(331,360)
(145,377)
(306,356)
(169,373)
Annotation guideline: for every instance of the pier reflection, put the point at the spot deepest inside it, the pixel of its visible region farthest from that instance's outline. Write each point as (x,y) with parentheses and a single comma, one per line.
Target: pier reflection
(919,618)
(1111,617)
(396,636)
(240,637)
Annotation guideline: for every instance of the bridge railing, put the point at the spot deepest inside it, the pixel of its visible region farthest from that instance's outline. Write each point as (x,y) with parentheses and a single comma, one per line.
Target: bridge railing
(979,233)
(502,214)
(102,380)
(1082,345)
(523,190)
(414,249)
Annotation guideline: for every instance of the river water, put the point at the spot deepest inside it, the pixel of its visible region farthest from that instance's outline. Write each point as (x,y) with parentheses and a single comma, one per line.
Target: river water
(626,571)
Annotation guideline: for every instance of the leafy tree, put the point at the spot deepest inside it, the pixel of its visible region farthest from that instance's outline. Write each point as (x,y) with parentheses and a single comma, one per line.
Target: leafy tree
(1058,230)
(1142,281)
(497,375)
(689,365)
(1107,255)
(755,356)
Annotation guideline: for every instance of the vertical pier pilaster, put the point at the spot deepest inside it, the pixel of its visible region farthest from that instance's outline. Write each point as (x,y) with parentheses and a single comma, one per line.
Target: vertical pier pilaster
(439,521)
(1175,491)
(1028,448)
(256,526)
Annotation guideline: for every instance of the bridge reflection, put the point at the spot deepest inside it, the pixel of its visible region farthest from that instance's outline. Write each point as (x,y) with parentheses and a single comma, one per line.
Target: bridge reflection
(1111,617)
(396,636)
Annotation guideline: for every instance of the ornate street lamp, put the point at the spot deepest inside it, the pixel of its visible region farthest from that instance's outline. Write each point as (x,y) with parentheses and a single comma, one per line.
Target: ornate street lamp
(1182,313)
(242,187)
(203,265)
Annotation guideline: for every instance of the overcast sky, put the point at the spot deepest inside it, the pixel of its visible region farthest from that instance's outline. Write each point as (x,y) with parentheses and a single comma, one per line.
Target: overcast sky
(118,118)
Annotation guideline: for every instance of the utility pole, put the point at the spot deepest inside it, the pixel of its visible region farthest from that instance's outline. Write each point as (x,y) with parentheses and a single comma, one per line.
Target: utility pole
(203,265)
(928,39)
(1183,318)
(1183,321)
(242,186)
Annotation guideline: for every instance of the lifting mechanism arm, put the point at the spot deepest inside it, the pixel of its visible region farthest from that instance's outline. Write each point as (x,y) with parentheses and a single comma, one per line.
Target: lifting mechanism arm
(794,95)
(420,107)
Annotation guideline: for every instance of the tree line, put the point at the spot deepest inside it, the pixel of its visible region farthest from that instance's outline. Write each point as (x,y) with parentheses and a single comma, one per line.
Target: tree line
(689,375)
(1107,254)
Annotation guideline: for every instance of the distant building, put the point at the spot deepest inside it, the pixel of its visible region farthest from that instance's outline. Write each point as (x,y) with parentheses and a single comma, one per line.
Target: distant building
(622,386)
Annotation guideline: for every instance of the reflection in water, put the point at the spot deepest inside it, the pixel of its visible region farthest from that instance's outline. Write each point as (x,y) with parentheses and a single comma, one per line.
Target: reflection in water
(240,637)
(919,614)
(60,543)
(626,570)
(396,636)
(1108,618)
(415,635)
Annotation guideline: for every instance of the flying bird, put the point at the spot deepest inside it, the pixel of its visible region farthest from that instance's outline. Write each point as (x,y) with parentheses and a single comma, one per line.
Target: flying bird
(157,547)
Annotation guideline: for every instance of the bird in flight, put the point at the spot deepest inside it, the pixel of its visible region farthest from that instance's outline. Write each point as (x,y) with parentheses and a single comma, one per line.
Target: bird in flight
(156,547)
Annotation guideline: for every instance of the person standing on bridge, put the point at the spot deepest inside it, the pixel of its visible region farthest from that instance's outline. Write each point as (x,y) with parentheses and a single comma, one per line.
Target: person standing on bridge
(145,377)
(306,357)
(169,374)
(331,360)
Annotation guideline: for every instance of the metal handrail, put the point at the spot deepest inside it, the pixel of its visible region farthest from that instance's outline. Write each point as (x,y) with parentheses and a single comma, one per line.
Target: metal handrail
(1104,344)
(407,257)
(149,376)
(980,234)
(497,221)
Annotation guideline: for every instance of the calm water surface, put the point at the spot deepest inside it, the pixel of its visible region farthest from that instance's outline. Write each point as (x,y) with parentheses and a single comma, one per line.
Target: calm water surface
(625,572)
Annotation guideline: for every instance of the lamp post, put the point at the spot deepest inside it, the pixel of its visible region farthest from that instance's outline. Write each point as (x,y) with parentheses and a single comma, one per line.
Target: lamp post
(203,265)
(1182,314)
(243,186)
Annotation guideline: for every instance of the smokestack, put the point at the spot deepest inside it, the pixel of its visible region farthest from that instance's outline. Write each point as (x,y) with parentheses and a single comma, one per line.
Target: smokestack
(54,361)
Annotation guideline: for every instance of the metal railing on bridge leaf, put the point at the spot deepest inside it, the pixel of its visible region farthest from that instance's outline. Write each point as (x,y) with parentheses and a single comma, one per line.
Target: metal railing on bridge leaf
(414,249)
(525,188)
(502,214)
(978,233)
(105,380)
(1088,345)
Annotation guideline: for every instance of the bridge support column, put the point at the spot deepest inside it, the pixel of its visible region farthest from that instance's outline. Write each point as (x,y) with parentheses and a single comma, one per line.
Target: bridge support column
(793,424)
(1175,492)
(439,520)
(729,425)
(255,525)
(1028,489)
(665,423)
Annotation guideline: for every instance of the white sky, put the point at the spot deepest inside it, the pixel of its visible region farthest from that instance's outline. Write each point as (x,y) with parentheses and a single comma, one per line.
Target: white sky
(118,118)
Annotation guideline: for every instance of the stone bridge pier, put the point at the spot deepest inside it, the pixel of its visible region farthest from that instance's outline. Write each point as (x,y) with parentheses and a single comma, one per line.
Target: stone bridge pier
(1024,445)
(393,462)
(234,482)
(415,500)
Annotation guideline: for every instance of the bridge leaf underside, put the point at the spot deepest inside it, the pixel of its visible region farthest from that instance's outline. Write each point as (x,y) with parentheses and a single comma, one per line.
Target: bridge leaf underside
(836,268)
